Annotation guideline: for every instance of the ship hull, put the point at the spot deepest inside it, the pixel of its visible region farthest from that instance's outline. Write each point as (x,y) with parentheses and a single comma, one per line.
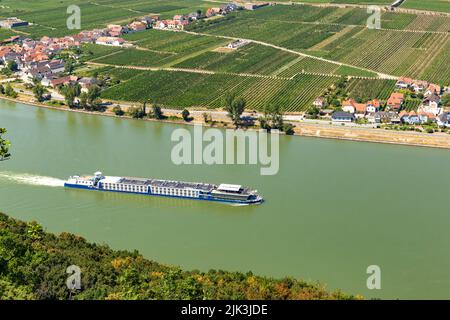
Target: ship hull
(209,198)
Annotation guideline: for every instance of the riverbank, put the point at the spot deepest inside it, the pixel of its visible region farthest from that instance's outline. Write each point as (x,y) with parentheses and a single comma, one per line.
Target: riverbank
(328,131)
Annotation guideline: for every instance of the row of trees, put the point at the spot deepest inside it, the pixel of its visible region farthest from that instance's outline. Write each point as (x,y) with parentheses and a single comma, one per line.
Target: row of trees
(272,118)
(141,112)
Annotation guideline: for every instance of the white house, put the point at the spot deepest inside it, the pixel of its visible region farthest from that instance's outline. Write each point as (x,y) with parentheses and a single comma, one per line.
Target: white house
(110,41)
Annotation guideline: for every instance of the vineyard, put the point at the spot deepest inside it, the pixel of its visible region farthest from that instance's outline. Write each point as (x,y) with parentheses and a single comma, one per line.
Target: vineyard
(391,52)
(252,58)
(183,89)
(365,90)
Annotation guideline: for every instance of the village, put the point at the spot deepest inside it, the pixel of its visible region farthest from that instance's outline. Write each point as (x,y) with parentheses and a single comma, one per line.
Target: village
(39,62)
(393,111)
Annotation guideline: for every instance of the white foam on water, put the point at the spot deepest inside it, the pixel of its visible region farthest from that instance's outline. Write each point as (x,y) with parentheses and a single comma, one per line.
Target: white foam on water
(30,179)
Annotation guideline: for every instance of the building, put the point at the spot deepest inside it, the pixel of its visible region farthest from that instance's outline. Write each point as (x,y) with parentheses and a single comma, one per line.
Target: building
(319,102)
(351,106)
(136,26)
(395,101)
(444,120)
(12,22)
(431,104)
(373,105)
(237,44)
(110,41)
(341,116)
(115,30)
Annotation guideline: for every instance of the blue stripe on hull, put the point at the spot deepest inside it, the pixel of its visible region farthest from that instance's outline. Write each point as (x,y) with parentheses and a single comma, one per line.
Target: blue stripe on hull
(76,186)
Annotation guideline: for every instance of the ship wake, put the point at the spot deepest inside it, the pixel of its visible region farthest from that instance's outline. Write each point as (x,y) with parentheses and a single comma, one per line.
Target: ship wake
(30,179)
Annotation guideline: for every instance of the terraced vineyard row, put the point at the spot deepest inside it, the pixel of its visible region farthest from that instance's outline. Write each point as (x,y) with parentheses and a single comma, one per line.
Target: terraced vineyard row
(182,89)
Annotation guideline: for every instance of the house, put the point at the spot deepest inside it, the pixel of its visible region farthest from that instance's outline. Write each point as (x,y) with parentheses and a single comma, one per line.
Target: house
(444,120)
(54,82)
(148,21)
(342,117)
(419,86)
(178,17)
(395,101)
(210,13)
(86,83)
(425,117)
(194,16)
(352,106)
(319,102)
(110,41)
(136,26)
(383,117)
(411,118)
(237,44)
(433,89)
(404,83)
(431,104)
(12,22)
(115,30)
(56,66)
(373,106)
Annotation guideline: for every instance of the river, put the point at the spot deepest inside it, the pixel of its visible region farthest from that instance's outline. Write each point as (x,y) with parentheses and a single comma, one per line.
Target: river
(334,208)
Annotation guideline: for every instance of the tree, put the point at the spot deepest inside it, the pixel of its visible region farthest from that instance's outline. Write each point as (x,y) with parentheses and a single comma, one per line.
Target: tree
(235,107)
(118,111)
(84,100)
(206,117)
(277,117)
(2,89)
(39,92)
(288,128)
(446,100)
(10,92)
(157,112)
(68,67)
(186,115)
(4,146)
(136,113)
(70,92)
(93,94)
(12,66)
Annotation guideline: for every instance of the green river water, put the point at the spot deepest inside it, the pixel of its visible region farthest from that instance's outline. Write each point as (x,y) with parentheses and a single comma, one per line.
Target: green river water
(334,208)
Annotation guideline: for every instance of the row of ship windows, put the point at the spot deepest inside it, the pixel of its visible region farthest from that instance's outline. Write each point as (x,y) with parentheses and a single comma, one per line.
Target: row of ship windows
(175,192)
(122,187)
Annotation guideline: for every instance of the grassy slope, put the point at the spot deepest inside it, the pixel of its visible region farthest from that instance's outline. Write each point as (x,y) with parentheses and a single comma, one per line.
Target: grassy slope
(33,266)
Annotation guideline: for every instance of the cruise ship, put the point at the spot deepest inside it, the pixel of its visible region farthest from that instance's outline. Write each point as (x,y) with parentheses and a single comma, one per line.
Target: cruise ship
(229,193)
